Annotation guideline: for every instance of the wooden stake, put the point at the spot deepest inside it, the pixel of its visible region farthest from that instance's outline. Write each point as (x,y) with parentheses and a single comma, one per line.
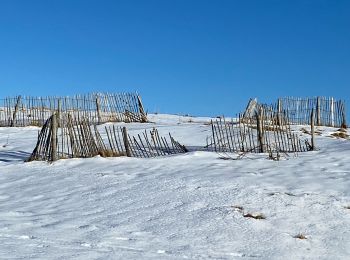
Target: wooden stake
(279,109)
(142,112)
(318,111)
(126,142)
(54,138)
(259,126)
(343,125)
(332,112)
(213,132)
(98,108)
(59,105)
(15,112)
(312,130)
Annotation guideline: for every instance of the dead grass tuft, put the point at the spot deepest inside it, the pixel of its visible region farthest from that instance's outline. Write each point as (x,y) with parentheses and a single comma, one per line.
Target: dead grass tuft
(290,194)
(237,207)
(254,216)
(271,128)
(224,158)
(305,131)
(274,156)
(300,236)
(340,135)
(109,153)
(36,123)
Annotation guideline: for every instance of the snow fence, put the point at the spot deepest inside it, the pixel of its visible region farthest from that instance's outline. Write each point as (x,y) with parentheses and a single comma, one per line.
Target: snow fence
(98,108)
(78,138)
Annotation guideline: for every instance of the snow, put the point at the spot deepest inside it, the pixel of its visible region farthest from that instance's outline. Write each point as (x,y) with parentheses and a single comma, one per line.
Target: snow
(188,206)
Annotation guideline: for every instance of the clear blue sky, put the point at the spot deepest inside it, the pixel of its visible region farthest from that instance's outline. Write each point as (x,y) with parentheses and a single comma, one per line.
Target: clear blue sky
(197,57)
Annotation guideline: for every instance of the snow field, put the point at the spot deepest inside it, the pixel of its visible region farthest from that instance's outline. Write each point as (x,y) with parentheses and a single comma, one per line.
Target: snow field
(189,206)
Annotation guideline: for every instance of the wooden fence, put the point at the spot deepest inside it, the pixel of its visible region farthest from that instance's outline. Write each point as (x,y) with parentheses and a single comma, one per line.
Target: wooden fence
(264,132)
(97,108)
(328,111)
(77,138)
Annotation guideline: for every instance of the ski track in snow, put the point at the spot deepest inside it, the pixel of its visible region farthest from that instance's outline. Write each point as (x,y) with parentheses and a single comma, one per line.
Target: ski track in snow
(178,207)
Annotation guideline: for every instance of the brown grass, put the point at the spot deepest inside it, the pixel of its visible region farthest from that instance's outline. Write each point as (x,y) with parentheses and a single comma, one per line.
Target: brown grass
(109,153)
(237,207)
(342,130)
(36,123)
(254,216)
(340,135)
(290,194)
(300,236)
(305,131)
(269,128)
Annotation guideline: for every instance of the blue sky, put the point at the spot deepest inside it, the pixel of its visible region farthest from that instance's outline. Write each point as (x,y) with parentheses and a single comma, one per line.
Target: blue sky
(183,56)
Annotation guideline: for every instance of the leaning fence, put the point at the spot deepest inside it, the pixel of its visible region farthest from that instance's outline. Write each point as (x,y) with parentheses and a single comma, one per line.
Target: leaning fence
(78,138)
(97,108)
(265,131)
(328,110)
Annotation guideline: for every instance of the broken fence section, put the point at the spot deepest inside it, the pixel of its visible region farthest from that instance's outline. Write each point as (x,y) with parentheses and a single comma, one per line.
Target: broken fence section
(80,139)
(97,108)
(328,111)
(263,132)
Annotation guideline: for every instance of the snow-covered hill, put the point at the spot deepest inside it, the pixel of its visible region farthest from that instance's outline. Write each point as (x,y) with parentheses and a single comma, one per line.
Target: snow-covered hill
(190,206)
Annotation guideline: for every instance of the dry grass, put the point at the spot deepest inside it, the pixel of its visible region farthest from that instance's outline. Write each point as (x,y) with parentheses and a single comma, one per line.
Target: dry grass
(342,130)
(224,158)
(305,131)
(240,209)
(36,123)
(340,135)
(237,207)
(271,128)
(109,153)
(274,156)
(300,236)
(254,216)
(290,194)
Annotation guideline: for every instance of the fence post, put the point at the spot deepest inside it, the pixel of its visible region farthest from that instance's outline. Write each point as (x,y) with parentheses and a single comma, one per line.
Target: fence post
(213,131)
(259,127)
(312,130)
(99,119)
(251,108)
(126,143)
(15,112)
(318,110)
(332,111)
(343,125)
(59,112)
(142,112)
(279,111)
(54,138)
